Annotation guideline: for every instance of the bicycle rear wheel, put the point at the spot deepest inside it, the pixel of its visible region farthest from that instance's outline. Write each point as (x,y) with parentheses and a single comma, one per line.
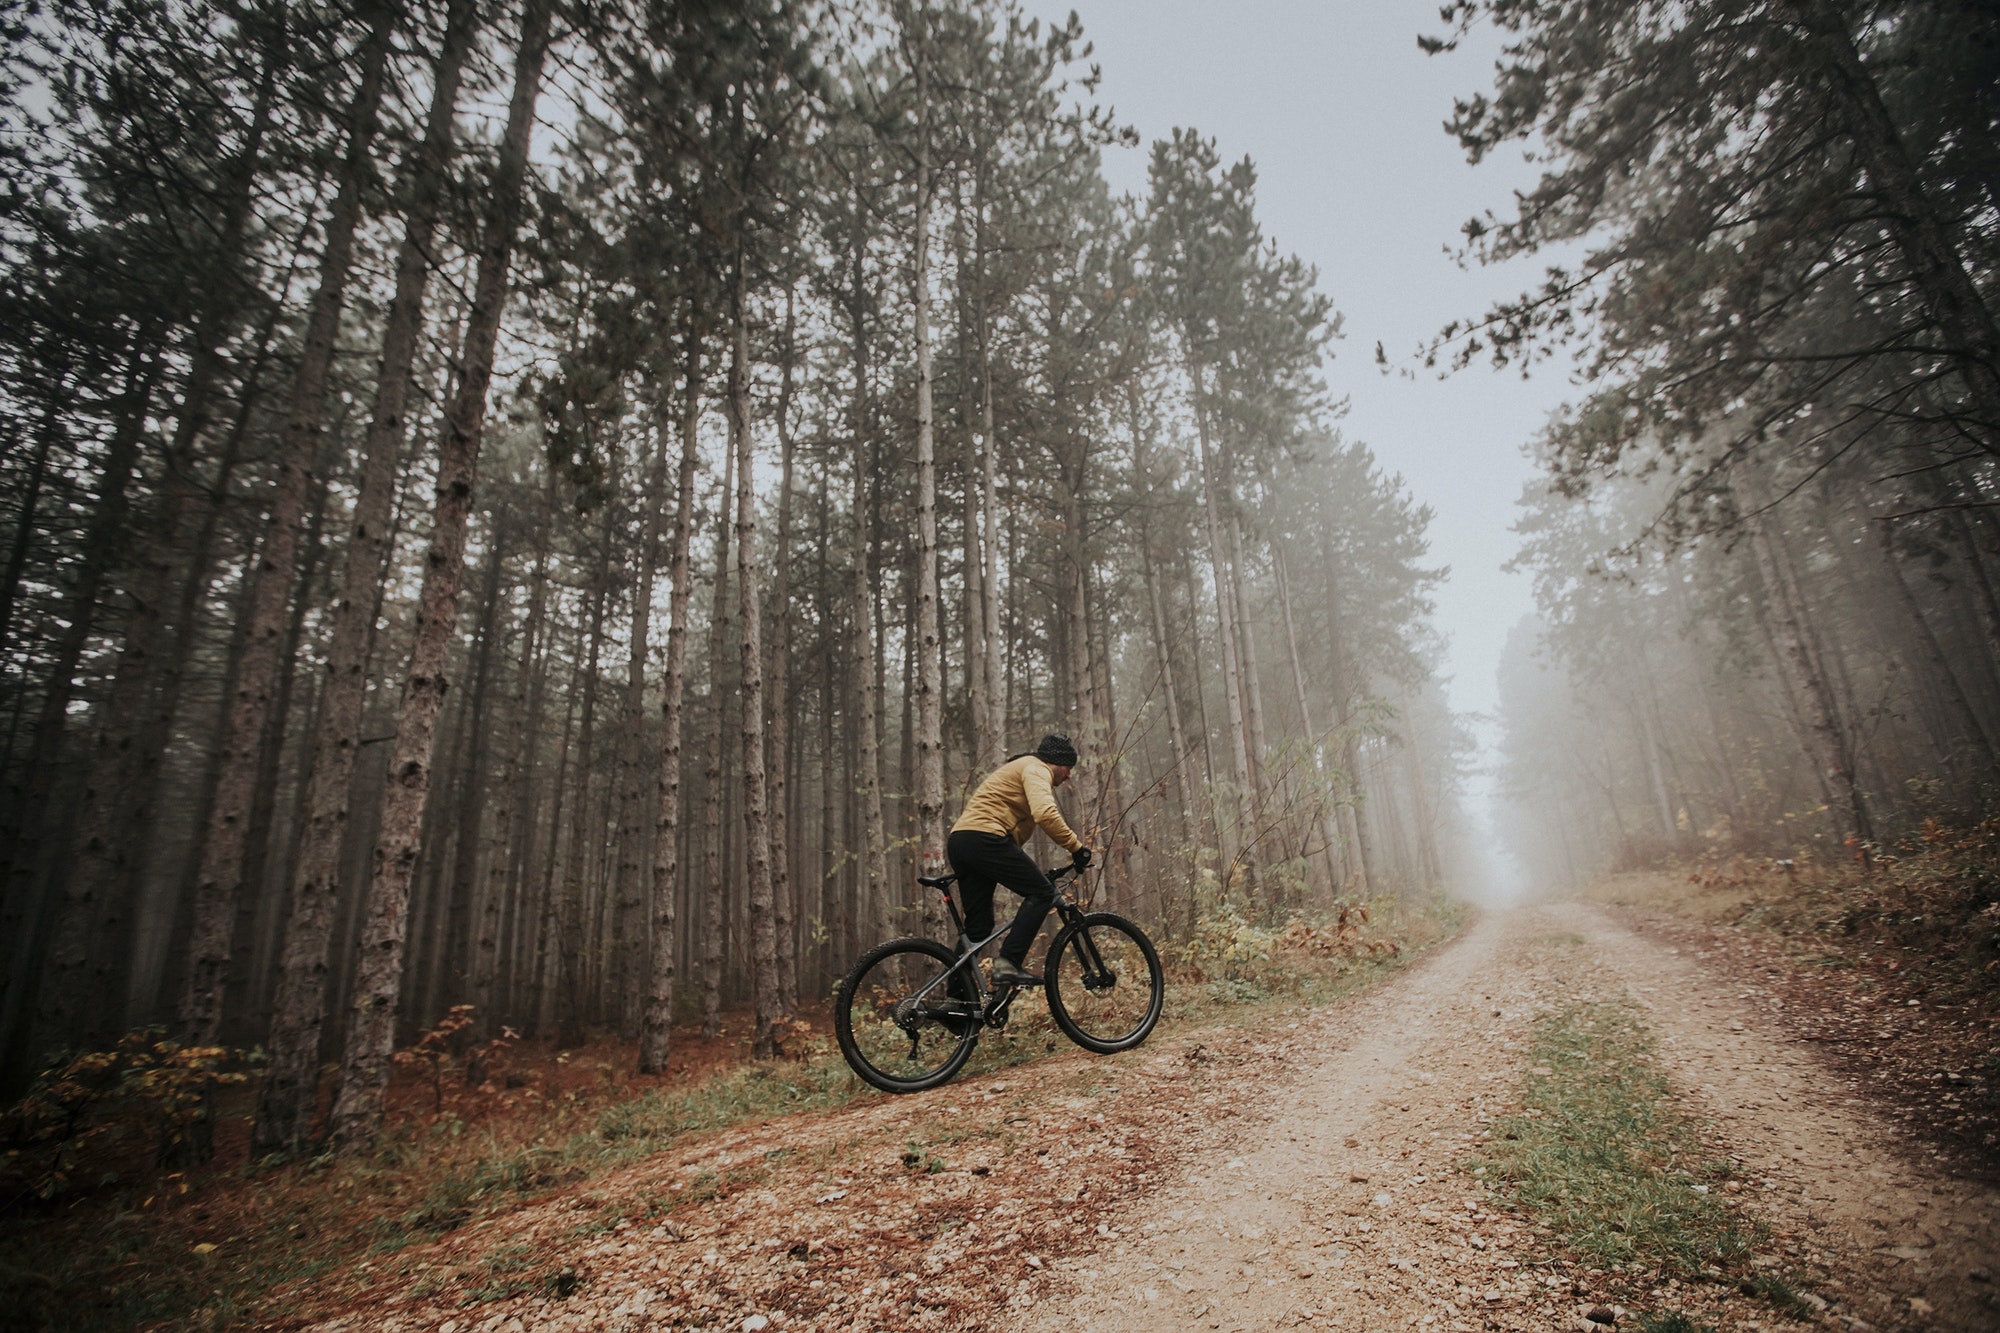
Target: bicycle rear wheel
(894,1033)
(1104,982)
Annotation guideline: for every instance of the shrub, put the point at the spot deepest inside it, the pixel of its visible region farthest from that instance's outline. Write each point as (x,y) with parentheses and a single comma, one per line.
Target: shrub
(85,1113)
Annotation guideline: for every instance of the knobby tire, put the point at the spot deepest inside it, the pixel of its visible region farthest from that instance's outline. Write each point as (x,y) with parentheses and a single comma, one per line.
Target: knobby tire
(922,1051)
(1099,1017)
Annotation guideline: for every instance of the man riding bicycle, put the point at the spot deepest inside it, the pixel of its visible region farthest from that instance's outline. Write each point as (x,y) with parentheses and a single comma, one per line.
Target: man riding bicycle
(985,849)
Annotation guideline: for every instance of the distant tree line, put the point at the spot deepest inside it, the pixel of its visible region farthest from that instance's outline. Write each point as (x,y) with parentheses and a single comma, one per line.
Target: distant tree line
(1767,552)
(548,508)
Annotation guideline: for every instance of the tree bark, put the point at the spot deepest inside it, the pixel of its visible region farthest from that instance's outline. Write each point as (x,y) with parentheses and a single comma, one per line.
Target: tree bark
(655,1038)
(495,917)
(714,866)
(285,1103)
(756,796)
(458,925)
(246,998)
(219,881)
(1823,731)
(784,893)
(570,988)
(628,934)
(1226,618)
(930,645)
(1315,743)
(873,880)
(371,1033)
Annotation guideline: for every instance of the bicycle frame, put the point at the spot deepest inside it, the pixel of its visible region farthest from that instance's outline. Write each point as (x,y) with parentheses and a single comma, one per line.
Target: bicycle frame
(993,1000)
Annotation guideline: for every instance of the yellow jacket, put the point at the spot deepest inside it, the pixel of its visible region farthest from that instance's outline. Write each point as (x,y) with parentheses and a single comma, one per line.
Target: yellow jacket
(1016,797)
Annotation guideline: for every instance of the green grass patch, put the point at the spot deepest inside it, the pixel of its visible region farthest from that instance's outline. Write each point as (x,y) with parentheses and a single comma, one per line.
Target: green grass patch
(1603,1156)
(1782,1295)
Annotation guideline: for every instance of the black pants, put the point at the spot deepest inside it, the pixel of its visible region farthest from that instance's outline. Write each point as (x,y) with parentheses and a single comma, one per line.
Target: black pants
(981,860)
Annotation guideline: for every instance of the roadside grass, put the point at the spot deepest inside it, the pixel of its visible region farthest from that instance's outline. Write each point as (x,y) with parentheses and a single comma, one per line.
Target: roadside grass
(1602,1156)
(1229,961)
(242,1239)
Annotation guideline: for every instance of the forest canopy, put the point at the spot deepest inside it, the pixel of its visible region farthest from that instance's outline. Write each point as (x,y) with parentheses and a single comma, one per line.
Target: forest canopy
(1764,557)
(548,507)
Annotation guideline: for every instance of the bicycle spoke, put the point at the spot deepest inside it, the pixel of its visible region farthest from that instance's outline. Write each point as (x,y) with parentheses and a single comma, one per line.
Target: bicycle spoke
(1105,986)
(900,1024)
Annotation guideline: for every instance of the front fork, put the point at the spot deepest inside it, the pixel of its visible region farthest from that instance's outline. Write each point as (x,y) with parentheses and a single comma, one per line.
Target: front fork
(1096,976)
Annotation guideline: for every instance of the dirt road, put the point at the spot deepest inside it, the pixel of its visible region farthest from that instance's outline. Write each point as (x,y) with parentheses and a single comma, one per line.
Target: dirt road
(1316,1172)
(1351,1207)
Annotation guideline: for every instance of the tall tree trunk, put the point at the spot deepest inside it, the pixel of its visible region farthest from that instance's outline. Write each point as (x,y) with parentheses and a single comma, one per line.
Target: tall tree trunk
(1426,832)
(371,1034)
(219,881)
(1177,744)
(1226,619)
(191,513)
(458,926)
(993,745)
(246,1007)
(655,1039)
(285,1103)
(1089,782)
(1315,742)
(756,796)
(510,797)
(65,995)
(1823,732)
(714,864)
(872,912)
(784,893)
(576,865)
(628,931)
(1253,687)
(548,903)
(1346,688)
(930,645)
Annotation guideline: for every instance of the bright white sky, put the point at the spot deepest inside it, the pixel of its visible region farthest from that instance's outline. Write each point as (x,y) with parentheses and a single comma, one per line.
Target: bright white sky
(1343,116)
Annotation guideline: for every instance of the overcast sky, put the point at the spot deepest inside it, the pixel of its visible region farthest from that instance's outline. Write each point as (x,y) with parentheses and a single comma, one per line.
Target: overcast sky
(1343,116)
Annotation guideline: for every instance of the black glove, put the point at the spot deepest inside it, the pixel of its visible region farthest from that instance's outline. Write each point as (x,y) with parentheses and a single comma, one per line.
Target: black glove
(1080,858)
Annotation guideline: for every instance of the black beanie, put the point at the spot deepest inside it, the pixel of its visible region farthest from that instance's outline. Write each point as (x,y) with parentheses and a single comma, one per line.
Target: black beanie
(1056,748)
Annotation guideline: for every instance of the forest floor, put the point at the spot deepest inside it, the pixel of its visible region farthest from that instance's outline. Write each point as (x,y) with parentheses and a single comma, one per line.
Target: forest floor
(122,1243)
(1376,1163)
(1568,1116)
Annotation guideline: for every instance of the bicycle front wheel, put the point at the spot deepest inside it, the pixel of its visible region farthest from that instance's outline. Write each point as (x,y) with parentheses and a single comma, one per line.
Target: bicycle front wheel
(897,1030)
(1105,987)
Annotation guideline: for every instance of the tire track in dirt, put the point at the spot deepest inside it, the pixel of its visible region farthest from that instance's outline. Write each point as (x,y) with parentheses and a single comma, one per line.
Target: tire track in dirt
(1351,1206)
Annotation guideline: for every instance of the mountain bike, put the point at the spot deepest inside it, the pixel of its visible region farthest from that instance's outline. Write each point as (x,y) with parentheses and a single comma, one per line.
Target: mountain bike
(911,1010)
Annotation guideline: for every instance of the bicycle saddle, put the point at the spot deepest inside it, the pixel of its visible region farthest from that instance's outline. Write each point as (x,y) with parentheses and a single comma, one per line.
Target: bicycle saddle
(937,881)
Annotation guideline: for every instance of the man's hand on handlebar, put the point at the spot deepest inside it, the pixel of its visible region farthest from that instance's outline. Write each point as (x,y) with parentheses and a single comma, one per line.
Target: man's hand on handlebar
(1080,858)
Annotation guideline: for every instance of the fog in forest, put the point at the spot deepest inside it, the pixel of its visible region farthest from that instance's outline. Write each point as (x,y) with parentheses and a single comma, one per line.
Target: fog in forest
(552,509)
